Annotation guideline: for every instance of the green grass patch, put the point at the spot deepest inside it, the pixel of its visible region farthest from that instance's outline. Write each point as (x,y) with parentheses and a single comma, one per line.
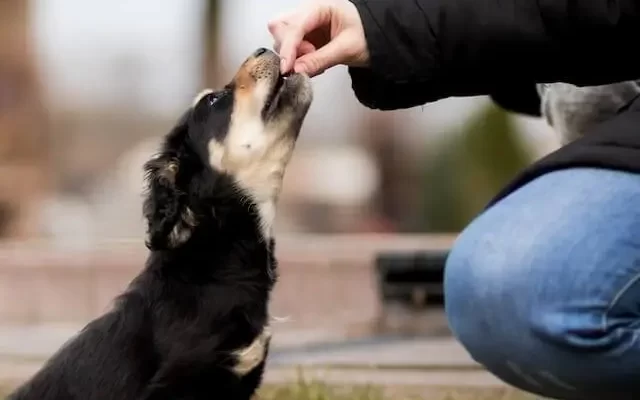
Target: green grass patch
(320,391)
(317,390)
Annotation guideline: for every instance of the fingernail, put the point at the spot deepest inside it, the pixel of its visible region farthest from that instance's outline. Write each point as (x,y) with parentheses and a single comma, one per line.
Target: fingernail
(299,68)
(283,65)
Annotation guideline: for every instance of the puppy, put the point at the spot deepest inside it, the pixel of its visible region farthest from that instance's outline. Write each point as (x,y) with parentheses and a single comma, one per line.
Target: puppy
(194,324)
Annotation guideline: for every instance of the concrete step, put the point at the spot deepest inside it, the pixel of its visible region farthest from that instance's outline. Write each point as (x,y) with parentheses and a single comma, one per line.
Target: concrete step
(325,281)
(379,352)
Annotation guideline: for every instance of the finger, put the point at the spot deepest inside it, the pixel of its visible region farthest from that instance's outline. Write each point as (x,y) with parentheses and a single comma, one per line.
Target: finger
(278,32)
(281,29)
(295,33)
(288,49)
(278,26)
(316,62)
(283,20)
(305,48)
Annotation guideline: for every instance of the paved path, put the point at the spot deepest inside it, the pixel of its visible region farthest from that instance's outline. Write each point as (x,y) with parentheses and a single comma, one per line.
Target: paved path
(419,353)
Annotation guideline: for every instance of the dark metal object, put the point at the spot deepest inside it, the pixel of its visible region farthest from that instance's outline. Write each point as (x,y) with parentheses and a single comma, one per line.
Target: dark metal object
(414,279)
(410,286)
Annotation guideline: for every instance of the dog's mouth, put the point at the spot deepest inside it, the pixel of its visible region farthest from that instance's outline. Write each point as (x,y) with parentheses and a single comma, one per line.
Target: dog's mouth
(279,88)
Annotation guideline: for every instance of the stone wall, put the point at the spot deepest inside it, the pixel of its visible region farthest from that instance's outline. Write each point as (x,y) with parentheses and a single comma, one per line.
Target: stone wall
(325,281)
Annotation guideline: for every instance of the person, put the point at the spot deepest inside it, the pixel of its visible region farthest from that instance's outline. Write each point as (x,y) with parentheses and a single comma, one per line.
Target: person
(543,287)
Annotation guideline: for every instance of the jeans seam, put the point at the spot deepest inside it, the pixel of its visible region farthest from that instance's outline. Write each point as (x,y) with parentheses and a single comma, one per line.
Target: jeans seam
(616,299)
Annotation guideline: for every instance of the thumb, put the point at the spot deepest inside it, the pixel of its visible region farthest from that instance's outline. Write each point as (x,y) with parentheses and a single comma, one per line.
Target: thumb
(316,62)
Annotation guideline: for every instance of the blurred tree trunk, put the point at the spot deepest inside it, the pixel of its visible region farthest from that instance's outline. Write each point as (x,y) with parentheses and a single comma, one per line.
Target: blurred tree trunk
(382,144)
(24,145)
(392,205)
(211,32)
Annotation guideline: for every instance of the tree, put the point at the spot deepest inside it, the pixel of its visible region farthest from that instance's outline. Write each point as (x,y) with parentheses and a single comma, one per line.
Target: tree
(211,27)
(470,169)
(24,140)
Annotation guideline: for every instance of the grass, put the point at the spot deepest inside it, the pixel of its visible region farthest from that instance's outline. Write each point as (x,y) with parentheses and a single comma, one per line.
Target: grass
(319,391)
(316,390)
(310,390)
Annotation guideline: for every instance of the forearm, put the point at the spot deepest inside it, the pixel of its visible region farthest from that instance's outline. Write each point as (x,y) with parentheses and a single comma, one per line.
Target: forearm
(442,48)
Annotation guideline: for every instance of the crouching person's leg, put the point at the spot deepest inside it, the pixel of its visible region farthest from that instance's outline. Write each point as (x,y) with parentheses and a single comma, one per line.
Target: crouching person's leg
(543,289)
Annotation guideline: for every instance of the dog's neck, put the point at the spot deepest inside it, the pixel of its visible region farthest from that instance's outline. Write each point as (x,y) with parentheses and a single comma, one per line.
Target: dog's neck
(263,189)
(233,249)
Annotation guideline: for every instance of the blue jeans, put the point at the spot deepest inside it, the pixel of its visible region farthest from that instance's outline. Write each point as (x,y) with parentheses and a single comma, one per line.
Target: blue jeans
(543,288)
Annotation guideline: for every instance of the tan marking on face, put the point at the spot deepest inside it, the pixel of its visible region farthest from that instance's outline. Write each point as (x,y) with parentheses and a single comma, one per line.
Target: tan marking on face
(254,151)
(251,91)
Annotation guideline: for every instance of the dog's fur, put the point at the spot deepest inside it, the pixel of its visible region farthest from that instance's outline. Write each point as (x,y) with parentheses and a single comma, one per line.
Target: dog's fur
(194,324)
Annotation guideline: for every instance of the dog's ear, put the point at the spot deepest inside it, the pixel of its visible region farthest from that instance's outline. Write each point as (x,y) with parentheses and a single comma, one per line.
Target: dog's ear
(170,221)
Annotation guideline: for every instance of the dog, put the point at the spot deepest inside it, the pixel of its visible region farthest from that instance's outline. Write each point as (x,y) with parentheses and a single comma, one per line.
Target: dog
(194,324)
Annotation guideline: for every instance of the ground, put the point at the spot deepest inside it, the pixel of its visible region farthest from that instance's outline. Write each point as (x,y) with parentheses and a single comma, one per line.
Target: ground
(304,390)
(403,368)
(319,391)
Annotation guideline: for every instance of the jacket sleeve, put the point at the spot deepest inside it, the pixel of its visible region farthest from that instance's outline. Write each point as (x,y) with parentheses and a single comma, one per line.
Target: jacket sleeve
(426,50)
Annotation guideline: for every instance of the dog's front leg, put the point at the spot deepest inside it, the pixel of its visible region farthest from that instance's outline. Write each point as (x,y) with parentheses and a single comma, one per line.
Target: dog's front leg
(179,373)
(195,374)
(248,358)
(200,386)
(165,383)
(189,372)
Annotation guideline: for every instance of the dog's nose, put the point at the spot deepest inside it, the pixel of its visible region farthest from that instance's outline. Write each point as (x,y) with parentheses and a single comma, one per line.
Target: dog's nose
(260,52)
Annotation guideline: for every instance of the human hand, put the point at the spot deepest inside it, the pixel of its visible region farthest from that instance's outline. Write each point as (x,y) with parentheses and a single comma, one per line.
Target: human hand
(320,35)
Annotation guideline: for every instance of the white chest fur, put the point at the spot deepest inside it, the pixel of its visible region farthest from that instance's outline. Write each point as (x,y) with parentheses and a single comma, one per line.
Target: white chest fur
(251,356)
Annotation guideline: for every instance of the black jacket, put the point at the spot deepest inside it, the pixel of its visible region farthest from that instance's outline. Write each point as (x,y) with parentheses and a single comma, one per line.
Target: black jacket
(425,50)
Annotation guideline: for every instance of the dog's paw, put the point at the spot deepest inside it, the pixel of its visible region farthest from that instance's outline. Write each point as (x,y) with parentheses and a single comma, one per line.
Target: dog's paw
(247,358)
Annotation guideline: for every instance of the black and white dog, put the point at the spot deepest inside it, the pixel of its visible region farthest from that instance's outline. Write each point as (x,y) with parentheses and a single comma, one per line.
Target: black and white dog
(194,324)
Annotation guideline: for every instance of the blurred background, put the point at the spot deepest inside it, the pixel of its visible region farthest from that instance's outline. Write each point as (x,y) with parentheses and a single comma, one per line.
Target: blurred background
(87,89)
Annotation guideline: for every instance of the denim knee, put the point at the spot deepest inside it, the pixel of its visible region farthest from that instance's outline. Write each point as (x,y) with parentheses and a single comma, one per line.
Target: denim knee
(498,289)
(484,299)
(544,288)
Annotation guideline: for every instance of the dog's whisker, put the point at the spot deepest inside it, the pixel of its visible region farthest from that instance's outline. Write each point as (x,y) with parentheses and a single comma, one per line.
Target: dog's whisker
(281,320)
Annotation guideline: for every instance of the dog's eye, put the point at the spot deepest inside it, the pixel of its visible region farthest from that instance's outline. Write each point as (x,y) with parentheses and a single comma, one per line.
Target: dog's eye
(213,98)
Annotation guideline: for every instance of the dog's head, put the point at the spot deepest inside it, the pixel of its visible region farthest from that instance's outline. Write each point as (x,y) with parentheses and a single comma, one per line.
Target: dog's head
(230,147)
